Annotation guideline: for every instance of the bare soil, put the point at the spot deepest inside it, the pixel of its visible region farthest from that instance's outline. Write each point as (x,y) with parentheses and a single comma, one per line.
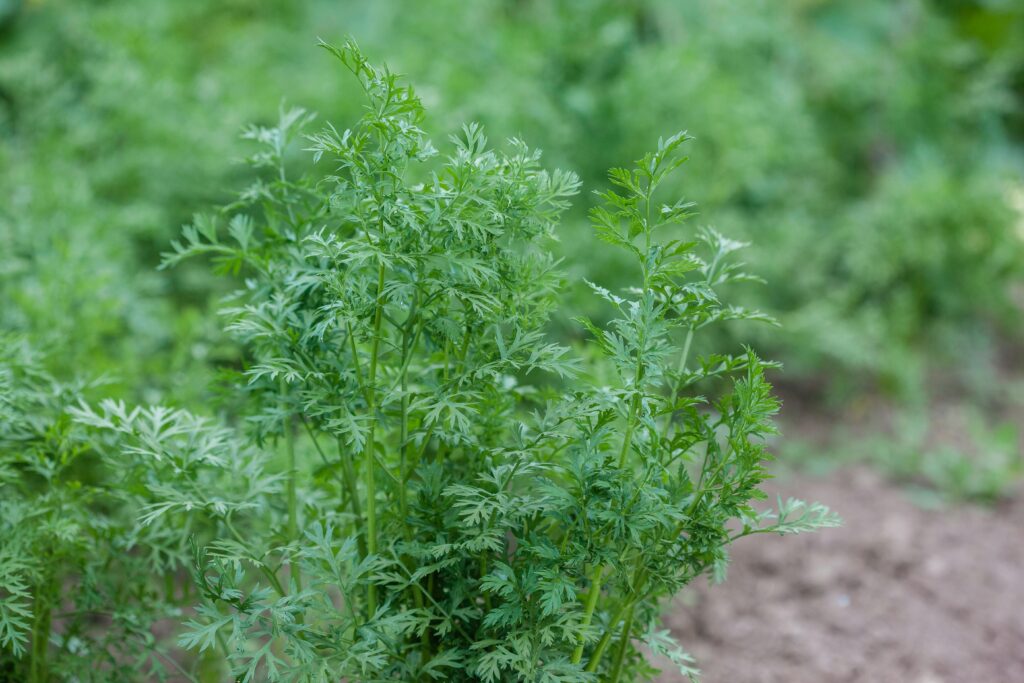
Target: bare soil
(899,594)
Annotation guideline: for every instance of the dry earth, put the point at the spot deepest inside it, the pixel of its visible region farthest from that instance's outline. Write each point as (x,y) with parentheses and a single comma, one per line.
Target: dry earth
(900,594)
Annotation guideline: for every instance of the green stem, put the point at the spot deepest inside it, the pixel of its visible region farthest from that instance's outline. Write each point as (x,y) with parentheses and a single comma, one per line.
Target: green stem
(39,670)
(682,363)
(293,506)
(407,346)
(353,495)
(355,359)
(639,580)
(447,360)
(602,644)
(465,344)
(368,455)
(620,655)
(627,439)
(634,408)
(588,612)
(404,469)
(419,457)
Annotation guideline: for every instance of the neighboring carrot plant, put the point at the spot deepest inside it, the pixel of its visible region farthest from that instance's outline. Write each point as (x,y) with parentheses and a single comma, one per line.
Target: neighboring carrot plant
(81,577)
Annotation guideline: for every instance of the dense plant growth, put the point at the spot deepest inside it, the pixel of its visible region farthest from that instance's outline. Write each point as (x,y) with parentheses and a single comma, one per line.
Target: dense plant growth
(75,559)
(476,401)
(423,486)
(866,147)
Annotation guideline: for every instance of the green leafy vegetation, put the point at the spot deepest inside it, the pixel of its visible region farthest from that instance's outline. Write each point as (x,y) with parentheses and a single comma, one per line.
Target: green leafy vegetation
(78,597)
(867,149)
(455,495)
(398,411)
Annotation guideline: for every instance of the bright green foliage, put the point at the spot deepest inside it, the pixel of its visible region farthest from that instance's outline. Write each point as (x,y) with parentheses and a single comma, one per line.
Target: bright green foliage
(112,120)
(450,508)
(73,555)
(866,147)
(97,523)
(868,164)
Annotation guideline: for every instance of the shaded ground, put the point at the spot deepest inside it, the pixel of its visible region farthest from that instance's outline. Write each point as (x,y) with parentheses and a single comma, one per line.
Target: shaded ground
(900,594)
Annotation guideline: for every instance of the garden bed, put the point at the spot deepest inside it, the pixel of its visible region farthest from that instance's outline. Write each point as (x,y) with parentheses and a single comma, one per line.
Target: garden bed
(900,593)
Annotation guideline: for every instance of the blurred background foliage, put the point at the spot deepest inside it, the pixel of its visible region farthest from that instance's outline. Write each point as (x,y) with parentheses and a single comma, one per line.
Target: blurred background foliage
(870,150)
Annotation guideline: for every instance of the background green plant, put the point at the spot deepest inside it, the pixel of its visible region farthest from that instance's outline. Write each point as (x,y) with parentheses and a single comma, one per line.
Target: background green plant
(868,146)
(79,595)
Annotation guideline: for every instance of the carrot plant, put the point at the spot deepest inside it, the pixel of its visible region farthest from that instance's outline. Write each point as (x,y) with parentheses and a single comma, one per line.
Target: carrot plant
(82,577)
(456,496)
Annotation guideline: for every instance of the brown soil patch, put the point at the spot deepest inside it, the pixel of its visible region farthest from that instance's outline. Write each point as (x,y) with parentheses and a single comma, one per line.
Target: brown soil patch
(900,594)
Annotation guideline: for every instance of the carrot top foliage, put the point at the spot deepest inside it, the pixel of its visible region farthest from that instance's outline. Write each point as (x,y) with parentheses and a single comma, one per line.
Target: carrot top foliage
(424,486)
